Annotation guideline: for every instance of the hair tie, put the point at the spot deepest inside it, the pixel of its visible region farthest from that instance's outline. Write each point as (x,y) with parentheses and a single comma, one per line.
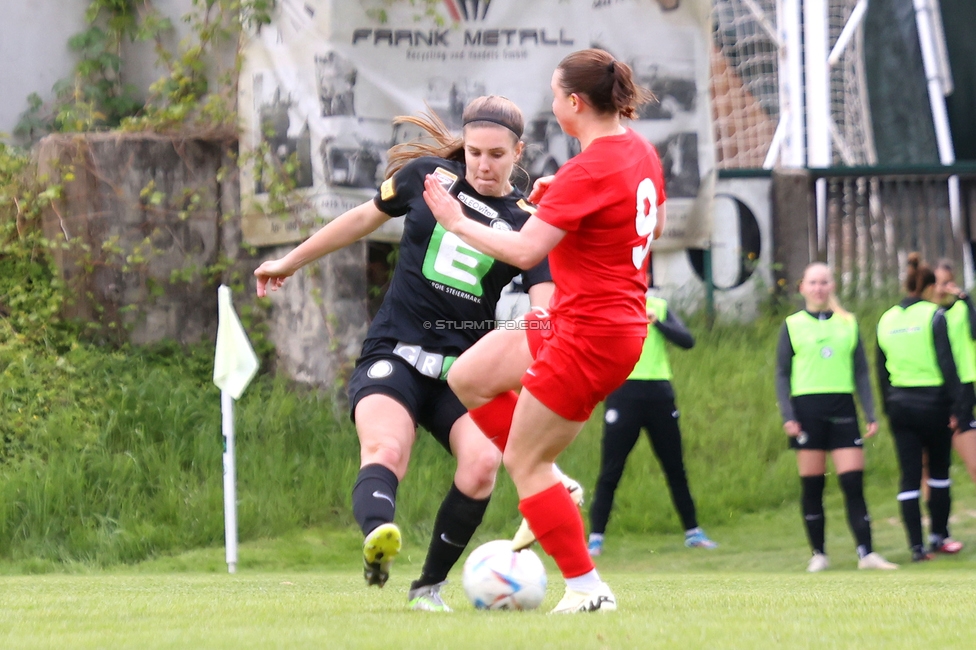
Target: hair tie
(613,69)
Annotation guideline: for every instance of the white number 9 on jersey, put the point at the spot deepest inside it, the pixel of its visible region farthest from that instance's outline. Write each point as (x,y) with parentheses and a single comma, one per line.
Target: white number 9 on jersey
(646,219)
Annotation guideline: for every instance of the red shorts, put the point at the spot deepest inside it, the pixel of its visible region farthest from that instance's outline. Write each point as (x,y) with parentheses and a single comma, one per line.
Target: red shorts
(572,373)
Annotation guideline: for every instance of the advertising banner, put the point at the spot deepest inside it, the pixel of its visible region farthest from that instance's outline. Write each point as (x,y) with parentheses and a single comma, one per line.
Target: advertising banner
(322,83)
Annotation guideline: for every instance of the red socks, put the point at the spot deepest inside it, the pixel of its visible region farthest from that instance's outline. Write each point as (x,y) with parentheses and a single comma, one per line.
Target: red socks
(495,418)
(558,525)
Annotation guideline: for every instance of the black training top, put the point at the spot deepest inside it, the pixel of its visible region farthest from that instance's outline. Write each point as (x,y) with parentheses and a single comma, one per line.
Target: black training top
(444,292)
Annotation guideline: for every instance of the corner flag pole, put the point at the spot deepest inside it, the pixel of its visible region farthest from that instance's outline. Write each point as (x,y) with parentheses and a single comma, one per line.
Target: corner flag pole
(234,366)
(230,481)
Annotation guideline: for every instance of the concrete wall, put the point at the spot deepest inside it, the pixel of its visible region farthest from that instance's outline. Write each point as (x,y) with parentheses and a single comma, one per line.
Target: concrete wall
(317,321)
(34,50)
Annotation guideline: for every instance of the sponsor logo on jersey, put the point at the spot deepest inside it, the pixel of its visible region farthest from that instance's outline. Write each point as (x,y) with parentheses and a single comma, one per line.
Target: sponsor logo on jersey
(525,206)
(826,352)
(611,416)
(387,191)
(380,369)
(478,206)
(501,224)
(445,178)
(453,266)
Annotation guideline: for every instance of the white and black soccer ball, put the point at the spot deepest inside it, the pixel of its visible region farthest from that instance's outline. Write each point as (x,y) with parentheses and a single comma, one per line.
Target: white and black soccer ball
(496,577)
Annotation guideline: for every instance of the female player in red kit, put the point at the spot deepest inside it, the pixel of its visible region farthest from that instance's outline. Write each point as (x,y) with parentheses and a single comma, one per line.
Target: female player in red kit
(595,220)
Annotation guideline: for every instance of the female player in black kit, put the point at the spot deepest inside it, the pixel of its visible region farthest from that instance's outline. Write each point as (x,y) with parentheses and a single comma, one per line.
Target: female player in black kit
(399,379)
(820,362)
(646,400)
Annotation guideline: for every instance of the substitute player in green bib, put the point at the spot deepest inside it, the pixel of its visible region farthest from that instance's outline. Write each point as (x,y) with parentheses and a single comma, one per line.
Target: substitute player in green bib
(820,362)
(646,400)
(961,322)
(923,400)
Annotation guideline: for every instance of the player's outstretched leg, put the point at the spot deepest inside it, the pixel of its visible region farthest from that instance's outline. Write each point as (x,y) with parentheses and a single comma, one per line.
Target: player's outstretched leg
(457,520)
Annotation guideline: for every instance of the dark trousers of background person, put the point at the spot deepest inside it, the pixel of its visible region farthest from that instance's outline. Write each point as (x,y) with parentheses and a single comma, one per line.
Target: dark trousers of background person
(916,430)
(660,418)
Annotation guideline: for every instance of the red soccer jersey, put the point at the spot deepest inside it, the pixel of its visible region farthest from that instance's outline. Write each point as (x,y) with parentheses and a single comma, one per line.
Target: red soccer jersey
(606,198)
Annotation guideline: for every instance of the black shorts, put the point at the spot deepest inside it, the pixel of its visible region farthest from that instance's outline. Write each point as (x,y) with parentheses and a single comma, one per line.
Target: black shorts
(969,395)
(430,402)
(827,421)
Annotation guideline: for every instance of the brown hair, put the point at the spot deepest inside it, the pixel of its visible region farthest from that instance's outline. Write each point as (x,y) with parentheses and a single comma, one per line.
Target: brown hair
(488,111)
(918,275)
(606,84)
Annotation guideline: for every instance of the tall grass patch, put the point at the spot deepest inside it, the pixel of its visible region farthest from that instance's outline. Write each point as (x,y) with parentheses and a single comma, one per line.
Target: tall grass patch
(114,456)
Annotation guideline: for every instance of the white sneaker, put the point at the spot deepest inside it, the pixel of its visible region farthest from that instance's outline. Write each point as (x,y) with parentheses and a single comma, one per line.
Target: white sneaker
(817,563)
(875,561)
(524,537)
(601,600)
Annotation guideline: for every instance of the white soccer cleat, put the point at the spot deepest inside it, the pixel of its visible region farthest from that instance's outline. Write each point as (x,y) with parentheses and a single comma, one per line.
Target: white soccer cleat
(817,563)
(601,600)
(524,537)
(875,561)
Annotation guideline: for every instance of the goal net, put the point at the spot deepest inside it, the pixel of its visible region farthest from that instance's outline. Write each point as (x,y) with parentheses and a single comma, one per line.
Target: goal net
(747,83)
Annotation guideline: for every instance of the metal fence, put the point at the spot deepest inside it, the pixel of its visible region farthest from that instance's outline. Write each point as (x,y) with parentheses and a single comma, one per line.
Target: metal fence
(870,218)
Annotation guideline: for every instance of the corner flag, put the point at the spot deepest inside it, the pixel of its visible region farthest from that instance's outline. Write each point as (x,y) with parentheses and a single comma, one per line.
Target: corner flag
(234,366)
(234,361)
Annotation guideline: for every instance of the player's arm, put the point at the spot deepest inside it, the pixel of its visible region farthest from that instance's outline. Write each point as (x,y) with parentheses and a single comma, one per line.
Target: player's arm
(862,381)
(522,248)
(675,331)
(345,229)
(784,372)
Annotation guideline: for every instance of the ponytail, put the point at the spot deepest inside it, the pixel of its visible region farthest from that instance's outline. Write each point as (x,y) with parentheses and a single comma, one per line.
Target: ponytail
(918,275)
(606,83)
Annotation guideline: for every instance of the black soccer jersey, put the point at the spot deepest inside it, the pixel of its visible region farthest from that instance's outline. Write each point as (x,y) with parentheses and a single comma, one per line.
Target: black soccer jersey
(443,293)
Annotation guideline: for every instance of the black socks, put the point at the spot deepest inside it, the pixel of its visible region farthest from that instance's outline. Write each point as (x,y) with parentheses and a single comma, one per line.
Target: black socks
(374,497)
(852,484)
(811,504)
(459,516)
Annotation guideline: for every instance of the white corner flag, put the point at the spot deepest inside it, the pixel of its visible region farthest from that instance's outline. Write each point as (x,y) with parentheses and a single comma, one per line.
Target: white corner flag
(234,366)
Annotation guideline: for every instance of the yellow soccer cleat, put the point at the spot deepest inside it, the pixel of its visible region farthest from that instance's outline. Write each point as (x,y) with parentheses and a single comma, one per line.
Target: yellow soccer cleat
(380,547)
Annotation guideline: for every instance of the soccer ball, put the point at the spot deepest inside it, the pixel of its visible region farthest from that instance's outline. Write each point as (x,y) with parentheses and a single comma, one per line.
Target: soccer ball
(496,577)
